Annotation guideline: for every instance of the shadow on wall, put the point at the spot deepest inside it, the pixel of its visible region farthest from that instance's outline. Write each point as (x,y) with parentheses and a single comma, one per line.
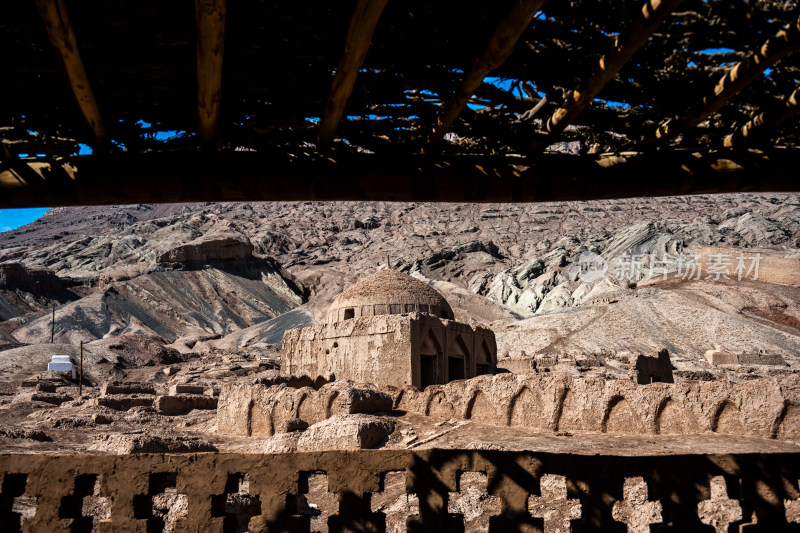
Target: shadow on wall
(387,490)
(296,382)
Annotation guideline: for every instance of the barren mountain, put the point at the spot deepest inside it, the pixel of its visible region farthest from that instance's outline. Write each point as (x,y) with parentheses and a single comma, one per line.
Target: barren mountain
(235,270)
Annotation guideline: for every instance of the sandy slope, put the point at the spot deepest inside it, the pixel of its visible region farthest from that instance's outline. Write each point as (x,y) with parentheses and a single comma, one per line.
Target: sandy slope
(687,318)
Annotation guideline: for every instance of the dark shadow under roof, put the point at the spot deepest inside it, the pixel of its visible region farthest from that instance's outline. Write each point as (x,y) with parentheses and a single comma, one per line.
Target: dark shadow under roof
(440,101)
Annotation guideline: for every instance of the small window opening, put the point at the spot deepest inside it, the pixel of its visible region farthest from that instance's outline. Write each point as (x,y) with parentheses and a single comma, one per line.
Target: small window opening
(349,313)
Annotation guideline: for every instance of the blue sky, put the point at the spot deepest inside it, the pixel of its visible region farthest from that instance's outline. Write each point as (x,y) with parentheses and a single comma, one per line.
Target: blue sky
(14,218)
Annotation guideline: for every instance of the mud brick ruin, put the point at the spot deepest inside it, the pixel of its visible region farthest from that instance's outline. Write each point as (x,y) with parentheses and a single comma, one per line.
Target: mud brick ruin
(645,369)
(390,329)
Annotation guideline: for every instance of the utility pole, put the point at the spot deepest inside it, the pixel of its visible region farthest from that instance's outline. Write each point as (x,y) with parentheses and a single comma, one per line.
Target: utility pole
(53,326)
(80,376)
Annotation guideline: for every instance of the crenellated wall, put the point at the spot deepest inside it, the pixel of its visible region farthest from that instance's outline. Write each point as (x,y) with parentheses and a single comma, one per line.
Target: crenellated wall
(395,490)
(768,407)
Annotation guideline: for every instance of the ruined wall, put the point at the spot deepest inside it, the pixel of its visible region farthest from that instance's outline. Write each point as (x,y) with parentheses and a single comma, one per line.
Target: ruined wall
(182,397)
(389,490)
(261,410)
(646,369)
(764,407)
(453,338)
(367,350)
(771,268)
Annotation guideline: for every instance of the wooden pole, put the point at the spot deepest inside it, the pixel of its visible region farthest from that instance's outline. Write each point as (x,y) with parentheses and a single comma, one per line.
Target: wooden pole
(737,78)
(210,20)
(80,376)
(359,36)
(494,54)
(62,37)
(764,121)
(652,15)
(53,326)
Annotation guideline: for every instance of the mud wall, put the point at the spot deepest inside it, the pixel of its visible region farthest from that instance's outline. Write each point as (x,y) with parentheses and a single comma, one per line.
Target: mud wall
(374,349)
(772,269)
(475,346)
(763,407)
(369,490)
(260,410)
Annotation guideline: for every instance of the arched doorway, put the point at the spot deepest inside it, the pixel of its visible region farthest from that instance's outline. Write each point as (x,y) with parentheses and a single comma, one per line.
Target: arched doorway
(483,360)
(457,355)
(429,353)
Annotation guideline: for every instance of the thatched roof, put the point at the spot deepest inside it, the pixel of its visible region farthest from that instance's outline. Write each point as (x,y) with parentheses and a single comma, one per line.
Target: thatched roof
(372,82)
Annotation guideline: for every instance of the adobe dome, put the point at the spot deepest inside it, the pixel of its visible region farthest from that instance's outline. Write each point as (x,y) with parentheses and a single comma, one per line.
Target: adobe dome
(388,292)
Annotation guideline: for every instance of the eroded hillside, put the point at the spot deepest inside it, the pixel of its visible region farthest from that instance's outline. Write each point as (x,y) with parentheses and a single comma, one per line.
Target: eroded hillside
(182,271)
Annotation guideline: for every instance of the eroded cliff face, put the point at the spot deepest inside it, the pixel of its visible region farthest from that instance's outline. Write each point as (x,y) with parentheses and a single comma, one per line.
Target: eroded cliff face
(212,284)
(443,240)
(26,289)
(170,304)
(209,249)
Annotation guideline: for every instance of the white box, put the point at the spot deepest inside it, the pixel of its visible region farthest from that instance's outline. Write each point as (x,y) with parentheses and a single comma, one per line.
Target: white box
(61,363)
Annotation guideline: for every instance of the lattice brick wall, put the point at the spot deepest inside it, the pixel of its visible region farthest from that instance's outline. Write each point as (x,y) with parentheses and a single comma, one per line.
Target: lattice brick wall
(448,490)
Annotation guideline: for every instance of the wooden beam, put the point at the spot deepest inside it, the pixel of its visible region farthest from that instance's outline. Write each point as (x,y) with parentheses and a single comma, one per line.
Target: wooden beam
(210,19)
(786,41)
(494,54)
(767,120)
(62,37)
(16,172)
(359,36)
(253,176)
(652,15)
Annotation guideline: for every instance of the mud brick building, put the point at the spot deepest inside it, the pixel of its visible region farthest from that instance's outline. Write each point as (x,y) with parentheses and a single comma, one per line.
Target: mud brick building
(390,329)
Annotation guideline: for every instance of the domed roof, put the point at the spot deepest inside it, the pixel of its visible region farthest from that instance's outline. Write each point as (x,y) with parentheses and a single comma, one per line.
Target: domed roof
(390,288)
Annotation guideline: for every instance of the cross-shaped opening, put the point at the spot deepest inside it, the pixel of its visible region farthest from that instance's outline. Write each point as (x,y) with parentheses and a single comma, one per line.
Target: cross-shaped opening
(236,505)
(719,511)
(635,509)
(473,501)
(394,502)
(162,506)
(313,502)
(15,507)
(792,510)
(85,506)
(553,506)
